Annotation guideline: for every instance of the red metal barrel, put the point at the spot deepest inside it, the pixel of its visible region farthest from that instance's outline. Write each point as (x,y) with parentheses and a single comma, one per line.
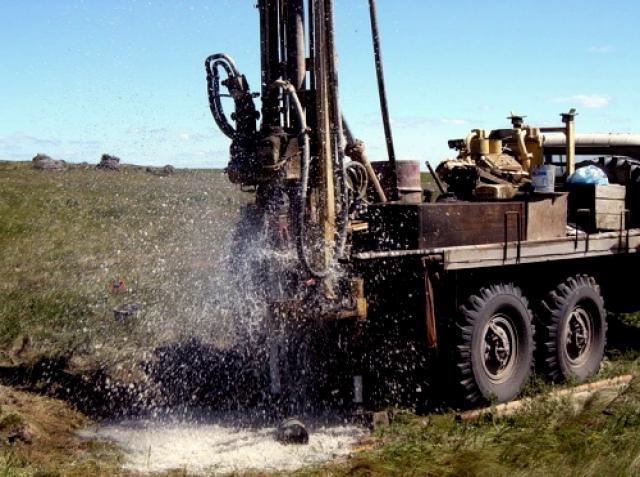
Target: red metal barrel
(409,183)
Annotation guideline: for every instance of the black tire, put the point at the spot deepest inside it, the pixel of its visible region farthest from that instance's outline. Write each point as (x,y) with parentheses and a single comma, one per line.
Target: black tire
(488,369)
(573,330)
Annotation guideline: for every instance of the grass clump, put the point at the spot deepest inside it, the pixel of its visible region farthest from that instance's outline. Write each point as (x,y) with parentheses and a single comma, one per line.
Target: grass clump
(37,437)
(550,437)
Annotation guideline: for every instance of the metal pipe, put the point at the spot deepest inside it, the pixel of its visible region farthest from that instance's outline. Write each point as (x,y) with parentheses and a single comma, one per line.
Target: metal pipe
(270,60)
(436,178)
(525,156)
(312,44)
(569,120)
(264,46)
(336,123)
(383,99)
(436,253)
(608,144)
(296,54)
(322,136)
(282,28)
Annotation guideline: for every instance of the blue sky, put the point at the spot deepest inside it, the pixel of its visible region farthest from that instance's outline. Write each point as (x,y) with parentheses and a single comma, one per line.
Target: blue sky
(81,78)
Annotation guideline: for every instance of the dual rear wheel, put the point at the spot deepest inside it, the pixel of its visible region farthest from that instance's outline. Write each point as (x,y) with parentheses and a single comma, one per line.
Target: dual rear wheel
(495,347)
(572,330)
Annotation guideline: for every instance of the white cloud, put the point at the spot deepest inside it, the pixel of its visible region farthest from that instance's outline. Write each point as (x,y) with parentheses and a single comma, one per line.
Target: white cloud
(601,49)
(196,137)
(420,121)
(145,131)
(591,101)
(21,138)
(457,122)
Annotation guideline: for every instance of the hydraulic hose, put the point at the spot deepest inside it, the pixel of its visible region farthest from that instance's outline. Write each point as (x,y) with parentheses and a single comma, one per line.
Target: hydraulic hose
(303,138)
(357,152)
(212,65)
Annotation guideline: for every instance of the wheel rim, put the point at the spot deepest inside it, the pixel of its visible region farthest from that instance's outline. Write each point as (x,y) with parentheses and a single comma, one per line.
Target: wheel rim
(578,333)
(500,348)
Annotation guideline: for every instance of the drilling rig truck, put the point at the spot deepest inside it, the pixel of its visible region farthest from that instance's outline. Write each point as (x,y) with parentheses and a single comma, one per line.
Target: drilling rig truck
(375,289)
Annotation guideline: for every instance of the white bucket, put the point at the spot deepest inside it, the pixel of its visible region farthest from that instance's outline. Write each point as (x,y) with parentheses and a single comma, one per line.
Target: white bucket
(544,179)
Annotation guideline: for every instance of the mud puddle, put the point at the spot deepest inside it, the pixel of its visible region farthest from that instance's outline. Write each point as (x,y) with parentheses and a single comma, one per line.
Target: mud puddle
(216,445)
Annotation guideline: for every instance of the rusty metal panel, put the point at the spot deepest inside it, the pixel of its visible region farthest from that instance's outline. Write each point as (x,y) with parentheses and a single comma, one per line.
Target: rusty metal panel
(397,226)
(470,223)
(392,226)
(547,216)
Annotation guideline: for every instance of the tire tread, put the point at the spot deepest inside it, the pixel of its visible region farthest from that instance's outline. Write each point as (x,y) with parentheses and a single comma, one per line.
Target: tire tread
(549,320)
(469,313)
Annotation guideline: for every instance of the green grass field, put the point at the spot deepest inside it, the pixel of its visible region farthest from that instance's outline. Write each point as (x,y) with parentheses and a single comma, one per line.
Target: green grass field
(65,237)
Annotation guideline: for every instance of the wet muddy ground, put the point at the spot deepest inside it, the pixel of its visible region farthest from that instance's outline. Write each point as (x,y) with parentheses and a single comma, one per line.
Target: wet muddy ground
(215,445)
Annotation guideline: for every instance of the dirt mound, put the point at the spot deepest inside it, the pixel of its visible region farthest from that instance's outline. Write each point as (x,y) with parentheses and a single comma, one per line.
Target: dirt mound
(32,419)
(181,374)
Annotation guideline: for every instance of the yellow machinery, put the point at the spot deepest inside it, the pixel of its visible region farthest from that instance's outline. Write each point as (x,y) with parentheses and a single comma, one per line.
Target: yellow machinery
(495,165)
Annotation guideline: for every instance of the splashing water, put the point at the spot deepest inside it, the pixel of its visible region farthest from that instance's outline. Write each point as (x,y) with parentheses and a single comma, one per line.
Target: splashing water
(220,363)
(218,447)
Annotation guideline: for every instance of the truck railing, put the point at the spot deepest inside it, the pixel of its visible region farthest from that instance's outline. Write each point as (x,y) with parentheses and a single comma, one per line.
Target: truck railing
(531,251)
(518,217)
(586,223)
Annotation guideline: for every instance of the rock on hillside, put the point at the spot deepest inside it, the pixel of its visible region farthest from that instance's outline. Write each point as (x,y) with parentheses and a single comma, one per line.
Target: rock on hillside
(109,163)
(165,170)
(45,163)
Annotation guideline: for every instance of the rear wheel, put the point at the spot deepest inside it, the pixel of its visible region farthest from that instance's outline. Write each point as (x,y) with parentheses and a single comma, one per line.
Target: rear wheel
(494,352)
(573,330)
